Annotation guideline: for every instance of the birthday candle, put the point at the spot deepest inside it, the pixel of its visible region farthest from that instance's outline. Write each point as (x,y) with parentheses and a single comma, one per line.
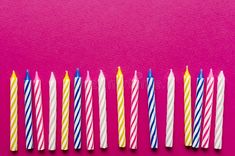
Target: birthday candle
(52,106)
(170,109)
(134,111)
(102,110)
(77,110)
(152,111)
(208,110)
(28,112)
(89,113)
(121,109)
(219,111)
(39,114)
(198,111)
(14,112)
(65,112)
(187,109)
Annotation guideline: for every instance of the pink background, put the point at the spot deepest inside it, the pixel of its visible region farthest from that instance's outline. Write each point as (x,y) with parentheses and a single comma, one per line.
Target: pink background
(58,35)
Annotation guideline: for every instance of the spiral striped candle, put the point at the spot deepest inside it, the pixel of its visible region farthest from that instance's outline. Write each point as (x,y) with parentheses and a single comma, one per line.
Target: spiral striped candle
(77,110)
(28,112)
(198,111)
(152,111)
(208,110)
(187,109)
(39,114)
(134,111)
(89,113)
(53,108)
(121,109)
(170,109)
(65,112)
(102,110)
(14,112)
(219,111)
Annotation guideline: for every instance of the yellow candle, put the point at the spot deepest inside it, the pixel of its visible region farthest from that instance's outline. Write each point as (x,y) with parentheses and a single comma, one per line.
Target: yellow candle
(65,112)
(187,109)
(121,110)
(14,114)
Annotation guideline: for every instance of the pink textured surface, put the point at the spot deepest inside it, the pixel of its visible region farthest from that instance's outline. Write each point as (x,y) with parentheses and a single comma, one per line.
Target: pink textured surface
(56,35)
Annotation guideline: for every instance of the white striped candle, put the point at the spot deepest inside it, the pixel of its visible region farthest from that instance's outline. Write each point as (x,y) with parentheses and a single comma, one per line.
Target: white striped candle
(219,111)
(102,110)
(52,116)
(170,109)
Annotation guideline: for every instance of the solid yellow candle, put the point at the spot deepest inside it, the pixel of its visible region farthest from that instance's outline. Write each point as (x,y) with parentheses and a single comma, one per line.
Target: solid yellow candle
(187,109)
(65,112)
(121,110)
(14,112)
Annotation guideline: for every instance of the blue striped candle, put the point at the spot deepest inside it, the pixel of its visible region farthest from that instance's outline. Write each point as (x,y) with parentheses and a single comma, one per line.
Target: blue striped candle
(152,111)
(198,111)
(28,112)
(77,110)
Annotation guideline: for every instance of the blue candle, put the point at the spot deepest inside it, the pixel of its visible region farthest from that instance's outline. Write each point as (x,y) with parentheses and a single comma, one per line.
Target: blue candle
(77,110)
(152,111)
(198,111)
(28,112)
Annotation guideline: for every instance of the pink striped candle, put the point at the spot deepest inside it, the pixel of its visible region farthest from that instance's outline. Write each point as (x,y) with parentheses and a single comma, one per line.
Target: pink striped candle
(89,113)
(134,111)
(208,110)
(39,115)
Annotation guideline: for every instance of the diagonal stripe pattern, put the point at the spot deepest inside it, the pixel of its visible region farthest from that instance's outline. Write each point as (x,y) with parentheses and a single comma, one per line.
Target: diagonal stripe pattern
(198,111)
(77,111)
(102,111)
(187,109)
(28,112)
(121,109)
(65,112)
(208,111)
(89,113)
(219,111)
(39,114)
(170,109)
(152,112)
(52,107)
(14,112)
(134,111)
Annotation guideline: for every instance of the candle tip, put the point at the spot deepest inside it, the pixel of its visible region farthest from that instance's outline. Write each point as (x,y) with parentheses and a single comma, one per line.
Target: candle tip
(27,77)
(13,75)
(221,73)
(119,72)
(200,74)
(66,75)
(52,76)
(88,76)
(36,76)
(150,73)
(186,67)
(135,75)
(77,73)
(211,73)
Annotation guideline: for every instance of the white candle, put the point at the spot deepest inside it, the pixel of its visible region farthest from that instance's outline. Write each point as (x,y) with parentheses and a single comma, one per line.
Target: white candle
(170,109)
